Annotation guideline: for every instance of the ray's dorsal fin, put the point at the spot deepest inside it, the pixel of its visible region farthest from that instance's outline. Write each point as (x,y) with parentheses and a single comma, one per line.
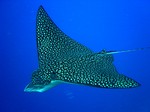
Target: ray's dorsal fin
(52,43)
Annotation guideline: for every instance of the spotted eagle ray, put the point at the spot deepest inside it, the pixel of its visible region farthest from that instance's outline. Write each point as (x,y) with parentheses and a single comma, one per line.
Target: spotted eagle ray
(61,59)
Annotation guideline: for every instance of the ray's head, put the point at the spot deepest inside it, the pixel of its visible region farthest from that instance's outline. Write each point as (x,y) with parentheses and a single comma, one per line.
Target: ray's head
(40,82)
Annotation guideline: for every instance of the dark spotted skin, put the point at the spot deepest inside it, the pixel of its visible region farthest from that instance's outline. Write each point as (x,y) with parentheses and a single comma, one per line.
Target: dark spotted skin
(93,70)
(61,58)
(52,43)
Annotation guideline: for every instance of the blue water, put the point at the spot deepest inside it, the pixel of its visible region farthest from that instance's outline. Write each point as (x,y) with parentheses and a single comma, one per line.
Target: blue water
(98,24)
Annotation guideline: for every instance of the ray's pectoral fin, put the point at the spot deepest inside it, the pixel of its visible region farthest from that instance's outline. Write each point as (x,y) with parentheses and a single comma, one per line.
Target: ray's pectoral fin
(53,45)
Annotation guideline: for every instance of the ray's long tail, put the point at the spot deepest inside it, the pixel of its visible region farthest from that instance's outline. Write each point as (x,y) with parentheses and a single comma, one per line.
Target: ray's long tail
(124,51)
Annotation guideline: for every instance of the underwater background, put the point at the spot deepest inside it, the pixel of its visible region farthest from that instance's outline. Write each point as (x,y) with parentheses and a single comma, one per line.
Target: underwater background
(97,24)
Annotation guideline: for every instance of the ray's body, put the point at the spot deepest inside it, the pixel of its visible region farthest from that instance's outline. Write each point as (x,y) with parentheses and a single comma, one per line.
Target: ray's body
(61,59)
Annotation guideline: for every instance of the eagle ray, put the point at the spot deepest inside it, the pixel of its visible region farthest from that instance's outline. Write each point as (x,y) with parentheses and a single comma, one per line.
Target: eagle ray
(61,59)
